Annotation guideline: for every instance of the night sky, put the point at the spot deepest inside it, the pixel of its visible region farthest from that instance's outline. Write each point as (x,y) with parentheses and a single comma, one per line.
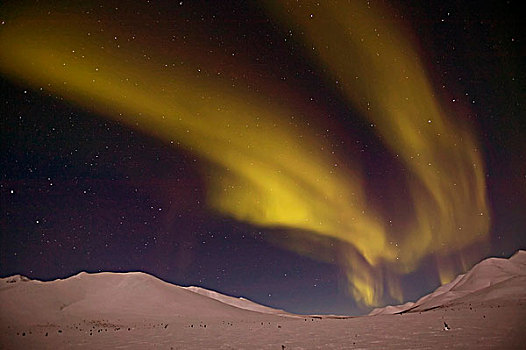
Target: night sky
(92,180)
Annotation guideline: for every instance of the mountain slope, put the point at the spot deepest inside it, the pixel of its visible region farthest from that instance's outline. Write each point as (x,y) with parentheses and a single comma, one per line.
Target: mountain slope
(240,302)
(492,278)
(132,294)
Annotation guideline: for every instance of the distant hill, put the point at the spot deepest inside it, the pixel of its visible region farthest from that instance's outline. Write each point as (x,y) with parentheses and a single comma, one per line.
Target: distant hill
(132,294)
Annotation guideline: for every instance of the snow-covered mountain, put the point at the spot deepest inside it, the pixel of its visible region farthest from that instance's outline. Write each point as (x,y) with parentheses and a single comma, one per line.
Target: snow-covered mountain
(492,278)
(117,295)
(138,311)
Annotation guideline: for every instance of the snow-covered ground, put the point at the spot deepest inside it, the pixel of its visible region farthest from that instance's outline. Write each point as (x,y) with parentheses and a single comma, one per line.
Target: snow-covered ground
(484,309)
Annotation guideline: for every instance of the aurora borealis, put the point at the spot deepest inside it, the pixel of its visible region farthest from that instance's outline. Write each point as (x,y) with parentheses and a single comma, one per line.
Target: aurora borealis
(277,131)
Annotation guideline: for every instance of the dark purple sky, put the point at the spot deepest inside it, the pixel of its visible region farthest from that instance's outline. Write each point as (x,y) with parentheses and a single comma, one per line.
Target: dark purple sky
(81,192)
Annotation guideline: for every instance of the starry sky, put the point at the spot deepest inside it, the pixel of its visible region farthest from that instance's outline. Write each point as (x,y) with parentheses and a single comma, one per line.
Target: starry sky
(314,157)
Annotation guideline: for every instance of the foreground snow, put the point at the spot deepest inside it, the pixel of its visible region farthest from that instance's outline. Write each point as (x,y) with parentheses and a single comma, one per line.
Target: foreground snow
(139,311)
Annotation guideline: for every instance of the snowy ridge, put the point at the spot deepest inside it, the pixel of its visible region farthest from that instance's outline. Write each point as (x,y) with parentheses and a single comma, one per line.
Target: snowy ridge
(239,302)
(132,294)
(492,278)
